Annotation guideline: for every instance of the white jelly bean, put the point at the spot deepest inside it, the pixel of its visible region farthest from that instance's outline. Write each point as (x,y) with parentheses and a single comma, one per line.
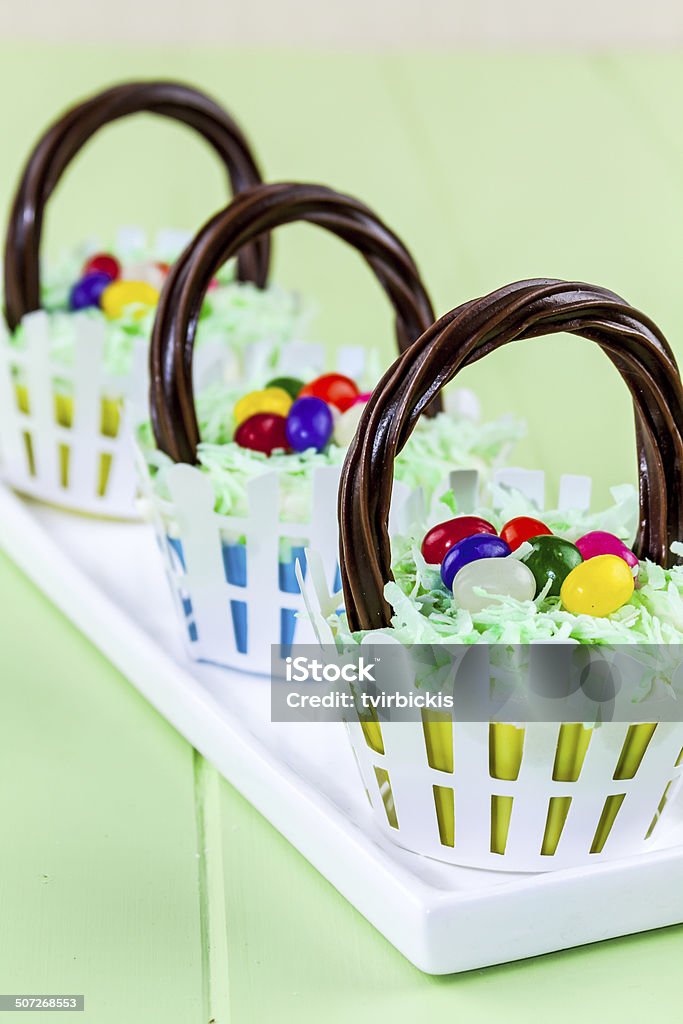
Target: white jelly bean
(499,577)
(345,426)
(151,273)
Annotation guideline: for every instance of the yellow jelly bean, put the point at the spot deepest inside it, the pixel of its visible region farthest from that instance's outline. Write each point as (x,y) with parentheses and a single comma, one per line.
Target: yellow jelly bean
(120,294)
(598,586)
(275,400)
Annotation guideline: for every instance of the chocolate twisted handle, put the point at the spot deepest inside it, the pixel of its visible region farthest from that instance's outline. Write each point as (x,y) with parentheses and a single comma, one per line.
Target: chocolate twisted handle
(527,309)
(63,140)
(250,214)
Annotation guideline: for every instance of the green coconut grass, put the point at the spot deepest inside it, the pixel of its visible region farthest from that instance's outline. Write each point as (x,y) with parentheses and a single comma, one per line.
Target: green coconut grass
(435,447)
(235,314)
(424,611)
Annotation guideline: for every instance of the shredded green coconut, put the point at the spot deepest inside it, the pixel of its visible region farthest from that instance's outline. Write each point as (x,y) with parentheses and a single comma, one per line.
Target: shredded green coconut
(435,447)
(426,613)
(234,315)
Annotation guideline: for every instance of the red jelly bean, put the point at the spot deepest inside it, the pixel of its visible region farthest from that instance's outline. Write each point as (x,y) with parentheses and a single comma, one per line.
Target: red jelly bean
(442,537)
(521,529)
(263,432)
(333,388)
(103,263)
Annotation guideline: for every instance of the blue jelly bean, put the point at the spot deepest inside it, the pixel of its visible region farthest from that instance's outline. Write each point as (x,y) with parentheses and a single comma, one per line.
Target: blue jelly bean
(309,424)
(88,290)
(469,549)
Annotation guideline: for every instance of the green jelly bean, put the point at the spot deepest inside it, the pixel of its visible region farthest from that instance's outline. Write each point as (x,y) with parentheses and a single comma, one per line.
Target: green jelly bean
(552,558)
(289,384)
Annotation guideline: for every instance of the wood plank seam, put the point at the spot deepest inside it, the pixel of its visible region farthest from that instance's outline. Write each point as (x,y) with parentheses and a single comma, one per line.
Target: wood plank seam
(211,893)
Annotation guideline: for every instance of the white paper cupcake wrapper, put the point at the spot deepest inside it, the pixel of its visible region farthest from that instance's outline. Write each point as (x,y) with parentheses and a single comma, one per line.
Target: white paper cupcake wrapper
(233,578)
(52,440)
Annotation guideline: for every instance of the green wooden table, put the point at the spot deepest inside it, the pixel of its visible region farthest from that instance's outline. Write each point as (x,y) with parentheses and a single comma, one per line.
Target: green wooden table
(128,870)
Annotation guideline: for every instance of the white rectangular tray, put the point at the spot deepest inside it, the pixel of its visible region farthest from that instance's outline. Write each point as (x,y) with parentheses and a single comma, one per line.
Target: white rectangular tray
(107,578)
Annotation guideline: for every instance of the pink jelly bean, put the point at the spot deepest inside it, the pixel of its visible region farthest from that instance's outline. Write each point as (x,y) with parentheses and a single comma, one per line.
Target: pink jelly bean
(599,542)
(363,397)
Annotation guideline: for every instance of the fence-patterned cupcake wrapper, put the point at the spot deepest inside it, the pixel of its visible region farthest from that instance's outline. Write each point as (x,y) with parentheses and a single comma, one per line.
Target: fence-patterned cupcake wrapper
(63,436)
(233,577)
(527,817)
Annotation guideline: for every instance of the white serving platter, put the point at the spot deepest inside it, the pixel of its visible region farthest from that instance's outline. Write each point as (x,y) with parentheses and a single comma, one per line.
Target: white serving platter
(107,578)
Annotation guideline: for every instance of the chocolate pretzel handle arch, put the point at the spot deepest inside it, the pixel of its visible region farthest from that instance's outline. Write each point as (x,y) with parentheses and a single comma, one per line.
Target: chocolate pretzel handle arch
(527,309)
(63,140)
(250,214)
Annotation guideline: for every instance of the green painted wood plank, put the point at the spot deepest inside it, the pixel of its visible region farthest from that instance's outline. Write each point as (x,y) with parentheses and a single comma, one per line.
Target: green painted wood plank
(648,85)
(212,900)
(98,858)
(541,171)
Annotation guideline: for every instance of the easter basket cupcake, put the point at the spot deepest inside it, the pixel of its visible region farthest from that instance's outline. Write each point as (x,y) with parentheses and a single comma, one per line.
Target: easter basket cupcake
(238,483)
(77,339)
(516,793)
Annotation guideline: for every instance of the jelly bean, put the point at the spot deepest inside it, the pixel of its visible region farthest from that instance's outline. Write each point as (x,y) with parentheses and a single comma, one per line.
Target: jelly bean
(88,291)
(443,536)
(364,397)
(521,529)
(499,577)
(480,545)
(334,388)
(599,542)
(264,432)
(309,424)
(103,263)
(462,404)
(148,272)
(274,400)
(552,558)
(289,384)
(121,294)
(598,587)
(345,426)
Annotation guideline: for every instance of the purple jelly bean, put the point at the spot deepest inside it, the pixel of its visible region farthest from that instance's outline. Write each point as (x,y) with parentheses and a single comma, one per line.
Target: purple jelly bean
(309,424)
(86,292)
(469,549)
(599,542)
